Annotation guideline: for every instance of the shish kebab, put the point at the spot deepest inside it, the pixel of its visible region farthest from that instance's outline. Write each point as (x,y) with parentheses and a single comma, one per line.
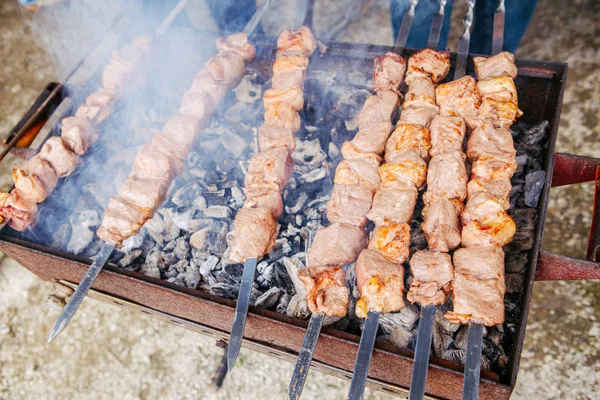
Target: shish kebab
(447,178)
(156,164)
(269,170)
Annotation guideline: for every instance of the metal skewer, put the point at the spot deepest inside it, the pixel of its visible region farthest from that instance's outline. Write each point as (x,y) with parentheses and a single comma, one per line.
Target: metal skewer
(301,9)
(436,26)
(464,42)
(422,351)
(363,359)
(405,28)
(473,362)
(498,35)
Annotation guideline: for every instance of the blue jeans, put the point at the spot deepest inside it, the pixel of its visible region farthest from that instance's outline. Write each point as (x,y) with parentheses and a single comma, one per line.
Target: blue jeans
(517,18)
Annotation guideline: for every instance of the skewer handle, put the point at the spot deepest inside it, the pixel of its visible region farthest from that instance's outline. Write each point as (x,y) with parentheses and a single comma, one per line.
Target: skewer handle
(422,351)
(404,31)
(255,20)
(305,356)
(473,363)
(464,42)
(498,35)
(363,358)
(436,26)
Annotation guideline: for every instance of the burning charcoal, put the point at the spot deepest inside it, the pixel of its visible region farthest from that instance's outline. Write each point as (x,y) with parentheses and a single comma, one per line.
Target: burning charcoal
(516,261)
(82,225)
(234,272)
(265,274)
(406,318)
(441,340)
(199,202)
(181,217)
(314,175)
(133,242)
(198,240)
(182,248)
(534,183)
(291,231)
(225,290)
(512,308)
(248,91)
(284,301)
(219,212)
(515,283)
(525,221)
(217,243)
(300,201)
(208,267)
(191,276)
(61,236)
(187,194)
(417,237)
(351,281)
(297,307)
(269,298)
(495,336)
(443,323)
(292,266)
(177,268)
(150,270)
(333,151)
(460,341)
(521,164)
(176,280)
(170,246)
(172,232)
(155,227)
(237,198)
(194,225)
(129,258)
(538,133)
(233,144)
(400,337)
(309,153)
(282,248)
(241,112)
(459,356)
(282,279)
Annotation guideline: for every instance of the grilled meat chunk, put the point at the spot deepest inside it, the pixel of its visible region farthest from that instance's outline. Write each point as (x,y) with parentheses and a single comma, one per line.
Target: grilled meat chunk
(56,153)
(441,225)
(360,173)
(482,227)
(392,240)
(227,67)
(501,88)
(378,108)
(351,152)
(447,134)
(494,166)
(300,40)
(289,76)
(36,180)
(429,64)
(283,115)
(169,147)
(418,115)
(380,283)
(182,130)
(447,178)
(405,168)
(197,105)
(486,139)
(20,211)
(498,65)
(388,72)
(326,290)
(432,277)
(393,203)
(146,195)
(336,245)
(270,136)
(98,106)
(265,197)
(204,83)
(120,221)
(291,95)
(408,137)
(349,205)
(238,43)
(372,136)
(421,93)
(459,97)
(271,168)
(255,233)
(499,189)
(78,134)
(151,164)
(502,113)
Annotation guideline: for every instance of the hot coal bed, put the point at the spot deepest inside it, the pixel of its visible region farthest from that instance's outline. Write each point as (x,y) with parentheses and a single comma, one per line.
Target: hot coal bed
(186,242)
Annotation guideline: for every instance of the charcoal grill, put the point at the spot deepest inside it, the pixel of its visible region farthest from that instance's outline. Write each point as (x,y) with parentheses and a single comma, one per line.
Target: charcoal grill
(540,88)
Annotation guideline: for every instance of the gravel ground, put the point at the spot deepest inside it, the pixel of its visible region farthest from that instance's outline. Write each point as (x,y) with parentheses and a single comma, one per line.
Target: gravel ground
(111,353)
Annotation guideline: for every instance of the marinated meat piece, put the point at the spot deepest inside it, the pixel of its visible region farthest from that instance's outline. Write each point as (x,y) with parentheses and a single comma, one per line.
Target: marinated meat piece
(393,203)
(336,245)
(227,67)
(502,113)
(486,139)
(288,78)
(196,105)
(501,88)
(21,212)
(477,300)
(78,134)
(351,152)
(146,195)
(182,129)
(388,72)
(432,277)
(498,65)
(289,61)
(36,180)
(291,95)
(115,227)
(143,43)
(418,115)
(271,168)
(255,233)
(380,283)
(326,290)
(117,73)
(238,43)
(349,205)
(491,229)
(378,108)
(372,136)
(98,106)
(119,208)
(480,206)
(205,83)
(441,226)
(447,178)
(499,189)
(429,64)
(480,262)
(265,197)
(283,115)
(405,168)
(299,40)
(408,137)
(392,240)
(270,136)
(459,97)
(170,147)
(447,134)
(62,160)
(150,164)
(494,166)
(357,173)
(421,93)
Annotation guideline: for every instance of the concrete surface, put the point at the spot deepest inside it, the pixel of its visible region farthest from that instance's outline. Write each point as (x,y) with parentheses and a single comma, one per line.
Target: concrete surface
(108,353)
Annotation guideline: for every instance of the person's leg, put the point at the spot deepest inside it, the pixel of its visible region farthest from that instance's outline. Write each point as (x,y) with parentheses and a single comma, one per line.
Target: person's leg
(232,15)
(424,13)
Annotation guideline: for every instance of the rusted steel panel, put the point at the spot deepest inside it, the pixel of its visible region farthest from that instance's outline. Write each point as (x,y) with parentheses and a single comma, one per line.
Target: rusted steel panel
(554,267)
(570,169)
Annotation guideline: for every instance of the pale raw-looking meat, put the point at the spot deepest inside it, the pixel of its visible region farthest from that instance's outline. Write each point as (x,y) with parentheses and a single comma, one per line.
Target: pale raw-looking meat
(380,283)
(494,166)
(255,233)
(357,173)
(146,195)
(421,93)
(480,206)
(204,83)
(498,65)
(299,40)
(119,207)
(502,113)
(372,136)
(447,178)
(35,180)
(487,139)
(392,240)
(62,160)
(429,64)
(447,134)
(227,67)
(459,97)
(98,106)
(271,168)
(441,226)
(288,78)
(351,152)
(196,105)
(265,197)
(291,95)
(170,147)
(283,115)
(270,136)
(481,262)
(432,277)
(150,164)
(21,212)
(408,137)
(378,108)
(393,203)
(501,88)
(78,134)
(418,115)
(288,61)
(404,168)
(182,129)
(117,73)
(120,221)
(336,245)
(388,72)
(349,205)
(326,290)
(239,43)
(499,189)
(491,229)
